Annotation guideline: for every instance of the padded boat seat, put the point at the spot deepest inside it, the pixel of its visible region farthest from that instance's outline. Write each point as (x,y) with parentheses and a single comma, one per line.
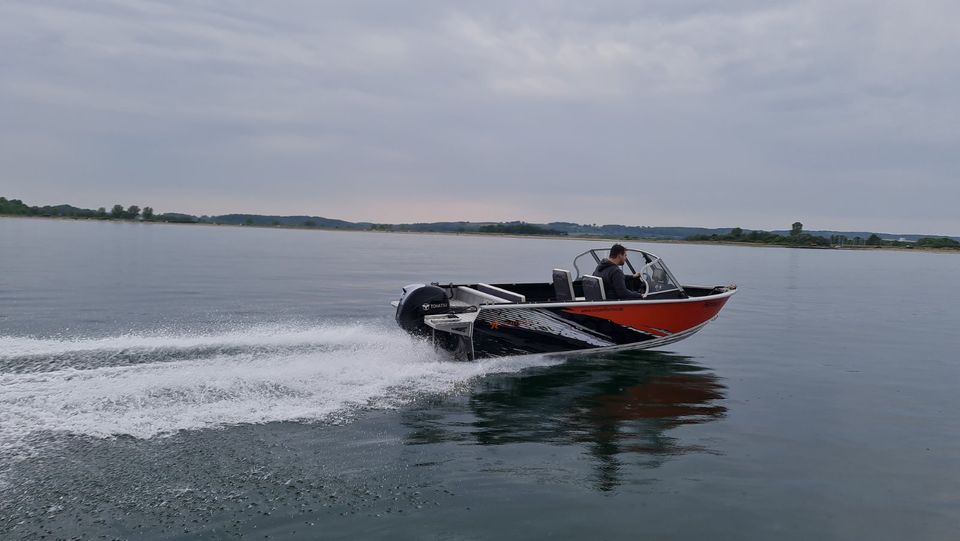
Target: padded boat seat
(593,288)
(562,286)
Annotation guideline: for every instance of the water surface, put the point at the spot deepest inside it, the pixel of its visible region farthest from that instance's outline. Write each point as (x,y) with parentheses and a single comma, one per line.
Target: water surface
(165,382)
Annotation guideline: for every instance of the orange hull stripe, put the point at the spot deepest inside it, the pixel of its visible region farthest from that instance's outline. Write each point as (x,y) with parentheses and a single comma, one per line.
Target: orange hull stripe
(672,317)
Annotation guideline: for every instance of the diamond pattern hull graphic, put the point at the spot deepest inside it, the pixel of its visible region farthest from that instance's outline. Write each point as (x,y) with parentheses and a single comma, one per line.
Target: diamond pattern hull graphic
(523,329)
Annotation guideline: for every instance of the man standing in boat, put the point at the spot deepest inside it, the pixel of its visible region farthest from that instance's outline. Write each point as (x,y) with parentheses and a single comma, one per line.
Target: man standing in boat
(614,283)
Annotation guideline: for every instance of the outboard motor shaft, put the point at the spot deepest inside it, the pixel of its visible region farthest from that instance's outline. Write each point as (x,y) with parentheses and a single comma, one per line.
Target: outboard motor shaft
(420,300)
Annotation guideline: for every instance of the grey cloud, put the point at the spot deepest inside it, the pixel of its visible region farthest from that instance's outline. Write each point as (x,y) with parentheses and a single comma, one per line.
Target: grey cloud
(738,113)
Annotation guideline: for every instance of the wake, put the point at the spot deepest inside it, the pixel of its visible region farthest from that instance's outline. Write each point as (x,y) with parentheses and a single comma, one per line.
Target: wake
(152,385)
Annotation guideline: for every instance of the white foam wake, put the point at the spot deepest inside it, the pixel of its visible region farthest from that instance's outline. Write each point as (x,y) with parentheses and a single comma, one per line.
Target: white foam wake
(259,336)
(256,375)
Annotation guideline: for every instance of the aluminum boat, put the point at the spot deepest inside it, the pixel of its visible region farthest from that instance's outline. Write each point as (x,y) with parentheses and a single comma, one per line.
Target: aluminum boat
(570,313)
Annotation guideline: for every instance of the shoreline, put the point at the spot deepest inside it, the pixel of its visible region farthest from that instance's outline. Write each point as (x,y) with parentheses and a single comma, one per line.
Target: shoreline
(502,235)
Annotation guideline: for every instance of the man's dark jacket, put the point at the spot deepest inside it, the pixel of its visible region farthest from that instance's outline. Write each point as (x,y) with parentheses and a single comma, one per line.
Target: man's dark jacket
(614,284)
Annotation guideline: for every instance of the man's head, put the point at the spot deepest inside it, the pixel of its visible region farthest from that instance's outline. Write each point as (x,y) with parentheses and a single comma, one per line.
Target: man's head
(618,254)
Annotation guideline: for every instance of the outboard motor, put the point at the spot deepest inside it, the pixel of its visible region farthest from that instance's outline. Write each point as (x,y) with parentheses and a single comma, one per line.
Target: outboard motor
(420,300)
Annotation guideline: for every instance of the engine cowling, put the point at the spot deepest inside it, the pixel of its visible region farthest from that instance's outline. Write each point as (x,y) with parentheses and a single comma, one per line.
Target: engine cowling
(420,300)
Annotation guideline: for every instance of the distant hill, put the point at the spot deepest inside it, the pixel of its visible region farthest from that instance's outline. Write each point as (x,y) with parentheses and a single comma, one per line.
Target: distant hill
(17,207)
(295,221)
(865,234)
(567,228)
(617,230)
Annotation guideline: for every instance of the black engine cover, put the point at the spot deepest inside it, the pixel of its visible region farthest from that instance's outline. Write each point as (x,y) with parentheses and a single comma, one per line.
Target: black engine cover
(420,300)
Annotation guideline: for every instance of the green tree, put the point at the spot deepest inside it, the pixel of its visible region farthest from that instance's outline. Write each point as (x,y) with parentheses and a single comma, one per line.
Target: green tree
(148,213)
(874,240)
(938,242)
(116,212)
(132,212)
(796,229)
(15,206)
(101,213)
(736,232)
(310,223)
(248,221)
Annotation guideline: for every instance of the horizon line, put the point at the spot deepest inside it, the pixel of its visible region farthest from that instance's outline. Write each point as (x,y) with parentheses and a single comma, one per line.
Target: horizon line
(491,221)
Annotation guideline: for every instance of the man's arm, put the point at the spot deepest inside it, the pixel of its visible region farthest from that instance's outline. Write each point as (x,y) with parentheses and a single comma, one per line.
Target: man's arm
(619,284)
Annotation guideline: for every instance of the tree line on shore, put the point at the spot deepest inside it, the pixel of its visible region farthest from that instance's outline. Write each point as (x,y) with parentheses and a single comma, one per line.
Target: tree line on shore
(798,238)
(16,207)
(795,237)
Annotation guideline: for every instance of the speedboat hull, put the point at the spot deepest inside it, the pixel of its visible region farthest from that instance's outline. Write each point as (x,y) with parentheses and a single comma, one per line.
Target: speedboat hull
(552,328)
(567,314)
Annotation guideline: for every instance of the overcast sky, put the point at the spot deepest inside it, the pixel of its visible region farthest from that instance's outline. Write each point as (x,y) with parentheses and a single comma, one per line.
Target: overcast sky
(753,113)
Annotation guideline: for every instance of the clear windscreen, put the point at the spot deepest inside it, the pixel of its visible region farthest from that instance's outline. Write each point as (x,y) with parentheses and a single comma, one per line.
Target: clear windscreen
(657,278)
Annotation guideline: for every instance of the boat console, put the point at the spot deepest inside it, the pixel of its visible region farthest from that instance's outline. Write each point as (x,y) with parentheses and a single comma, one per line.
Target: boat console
(655,281)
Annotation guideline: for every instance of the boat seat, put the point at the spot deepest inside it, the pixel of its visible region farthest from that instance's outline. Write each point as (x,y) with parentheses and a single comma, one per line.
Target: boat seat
(475,297)
(502,293)
(593,288)
(563,286)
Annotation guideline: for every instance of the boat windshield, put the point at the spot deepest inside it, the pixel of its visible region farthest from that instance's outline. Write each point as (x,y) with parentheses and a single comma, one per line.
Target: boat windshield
(653,271)
(657,278)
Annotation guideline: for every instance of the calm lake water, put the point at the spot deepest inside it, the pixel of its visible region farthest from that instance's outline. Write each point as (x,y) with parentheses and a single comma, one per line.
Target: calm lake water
(186,382)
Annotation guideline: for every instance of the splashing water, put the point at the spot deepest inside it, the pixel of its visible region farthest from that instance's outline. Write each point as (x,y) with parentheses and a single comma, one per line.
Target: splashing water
(150,385)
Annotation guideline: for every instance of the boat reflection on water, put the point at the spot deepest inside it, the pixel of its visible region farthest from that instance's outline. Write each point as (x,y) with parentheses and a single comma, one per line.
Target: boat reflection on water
(619,406)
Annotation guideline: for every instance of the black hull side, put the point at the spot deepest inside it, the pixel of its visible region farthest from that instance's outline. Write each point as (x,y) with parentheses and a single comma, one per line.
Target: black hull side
(547,330)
